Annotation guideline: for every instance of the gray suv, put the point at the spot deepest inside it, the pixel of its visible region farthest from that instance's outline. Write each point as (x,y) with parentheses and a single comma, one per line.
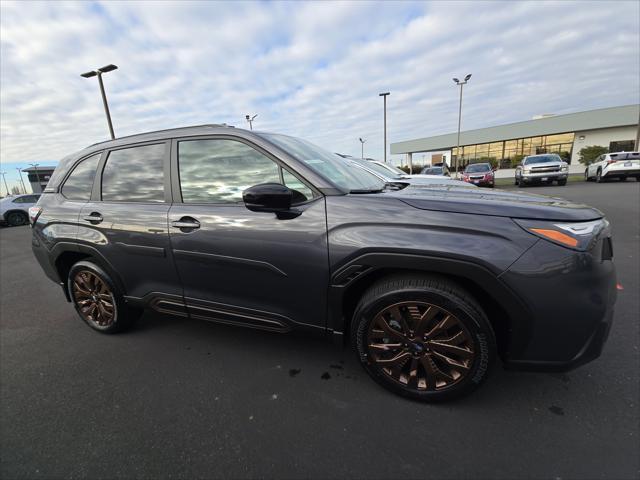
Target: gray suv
(429,285)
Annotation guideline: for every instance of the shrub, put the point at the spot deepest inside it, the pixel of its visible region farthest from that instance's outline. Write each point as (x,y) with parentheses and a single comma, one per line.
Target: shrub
(588,155)
(516,160)
(565,156)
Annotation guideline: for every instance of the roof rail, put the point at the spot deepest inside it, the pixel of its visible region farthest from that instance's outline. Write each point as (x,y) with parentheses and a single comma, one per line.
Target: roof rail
(212,125)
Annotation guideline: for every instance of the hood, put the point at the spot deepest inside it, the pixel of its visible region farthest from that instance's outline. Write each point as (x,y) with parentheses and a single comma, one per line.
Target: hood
(498,203)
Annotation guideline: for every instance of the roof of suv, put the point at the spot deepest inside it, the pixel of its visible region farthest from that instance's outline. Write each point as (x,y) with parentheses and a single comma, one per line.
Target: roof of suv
(156,134)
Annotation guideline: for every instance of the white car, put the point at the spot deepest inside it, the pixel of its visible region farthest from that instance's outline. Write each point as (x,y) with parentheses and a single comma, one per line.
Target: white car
(14,210)
(614,165)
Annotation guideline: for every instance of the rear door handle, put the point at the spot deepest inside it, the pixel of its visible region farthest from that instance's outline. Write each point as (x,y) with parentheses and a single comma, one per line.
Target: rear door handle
(94,218)
(186,223)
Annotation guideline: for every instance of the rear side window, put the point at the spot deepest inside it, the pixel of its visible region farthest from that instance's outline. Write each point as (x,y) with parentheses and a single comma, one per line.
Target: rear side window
(134,174)
(79,184)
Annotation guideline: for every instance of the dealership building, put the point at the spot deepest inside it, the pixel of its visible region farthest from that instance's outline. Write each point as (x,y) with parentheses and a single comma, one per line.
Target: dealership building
(615,128)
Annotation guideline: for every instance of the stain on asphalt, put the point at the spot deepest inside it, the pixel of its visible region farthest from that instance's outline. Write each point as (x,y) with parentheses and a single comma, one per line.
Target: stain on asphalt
(338,367)
(556,410)
(325,376)
(294,371)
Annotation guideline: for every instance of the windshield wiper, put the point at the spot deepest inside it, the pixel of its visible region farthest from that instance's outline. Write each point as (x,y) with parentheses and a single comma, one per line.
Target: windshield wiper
(377,190)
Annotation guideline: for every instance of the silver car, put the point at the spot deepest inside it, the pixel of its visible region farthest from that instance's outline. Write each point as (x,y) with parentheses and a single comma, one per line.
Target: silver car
(545,168)
(14,210)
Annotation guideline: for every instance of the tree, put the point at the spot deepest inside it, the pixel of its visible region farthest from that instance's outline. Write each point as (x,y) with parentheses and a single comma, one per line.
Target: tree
(589,154)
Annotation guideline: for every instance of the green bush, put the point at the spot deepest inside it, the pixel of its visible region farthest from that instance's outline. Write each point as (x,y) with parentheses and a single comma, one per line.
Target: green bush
(588,155)
(565,156)
(516,160)
(417,168)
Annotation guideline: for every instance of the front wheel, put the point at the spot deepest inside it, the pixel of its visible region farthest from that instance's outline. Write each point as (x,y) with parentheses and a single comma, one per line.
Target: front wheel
(97,299)
(562,183)
(424,338)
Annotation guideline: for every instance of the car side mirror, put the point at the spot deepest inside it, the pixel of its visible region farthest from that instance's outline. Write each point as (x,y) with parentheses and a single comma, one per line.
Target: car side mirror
(268,197)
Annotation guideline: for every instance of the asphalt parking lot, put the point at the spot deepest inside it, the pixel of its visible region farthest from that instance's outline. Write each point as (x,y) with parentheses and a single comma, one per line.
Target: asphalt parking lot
(176,398)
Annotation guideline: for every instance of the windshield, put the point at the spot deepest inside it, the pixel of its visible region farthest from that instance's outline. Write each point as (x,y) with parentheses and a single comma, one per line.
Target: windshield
(542,159)
(391,168)
(432,171)
(379,169)
(327,164)
(479,167)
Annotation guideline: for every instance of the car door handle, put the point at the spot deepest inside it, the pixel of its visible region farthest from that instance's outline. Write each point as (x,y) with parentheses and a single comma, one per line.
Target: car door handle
(186,223)
(94,218)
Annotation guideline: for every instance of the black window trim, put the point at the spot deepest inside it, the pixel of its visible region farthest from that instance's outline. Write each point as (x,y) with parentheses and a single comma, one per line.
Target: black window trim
(73,168)
(96,194)
(175,169)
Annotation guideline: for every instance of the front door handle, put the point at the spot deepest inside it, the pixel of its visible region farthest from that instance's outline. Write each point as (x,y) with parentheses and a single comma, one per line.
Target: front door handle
(186,224)
(94,218)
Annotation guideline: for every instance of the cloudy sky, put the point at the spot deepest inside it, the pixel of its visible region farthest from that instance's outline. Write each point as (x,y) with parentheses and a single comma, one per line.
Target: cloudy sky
(307,69)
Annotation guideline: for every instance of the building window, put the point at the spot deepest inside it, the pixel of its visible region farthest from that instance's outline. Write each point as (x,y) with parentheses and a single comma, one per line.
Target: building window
(621,146)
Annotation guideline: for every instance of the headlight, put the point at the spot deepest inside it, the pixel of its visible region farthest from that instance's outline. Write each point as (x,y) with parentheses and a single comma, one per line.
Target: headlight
(564,169)
(575,235)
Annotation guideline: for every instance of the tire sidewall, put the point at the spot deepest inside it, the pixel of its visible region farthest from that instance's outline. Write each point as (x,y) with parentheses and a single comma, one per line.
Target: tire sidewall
(479,329)
(118,304)
(23,219)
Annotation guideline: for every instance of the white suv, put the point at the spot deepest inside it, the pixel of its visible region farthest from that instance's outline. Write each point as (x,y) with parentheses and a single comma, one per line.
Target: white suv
(14,210)
(614,165)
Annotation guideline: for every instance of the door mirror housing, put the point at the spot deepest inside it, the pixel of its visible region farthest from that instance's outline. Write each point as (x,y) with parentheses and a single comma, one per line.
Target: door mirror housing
(268,197)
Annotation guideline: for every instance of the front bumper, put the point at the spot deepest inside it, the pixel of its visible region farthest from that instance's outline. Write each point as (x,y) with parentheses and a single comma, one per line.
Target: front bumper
(570,297)
(544,176)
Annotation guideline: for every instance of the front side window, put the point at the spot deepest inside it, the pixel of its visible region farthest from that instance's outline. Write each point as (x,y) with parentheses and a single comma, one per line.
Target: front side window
(218,171)
(80,183)
(134,175)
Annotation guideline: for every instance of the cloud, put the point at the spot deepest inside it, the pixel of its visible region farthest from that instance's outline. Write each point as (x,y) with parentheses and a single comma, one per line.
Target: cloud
(310,69)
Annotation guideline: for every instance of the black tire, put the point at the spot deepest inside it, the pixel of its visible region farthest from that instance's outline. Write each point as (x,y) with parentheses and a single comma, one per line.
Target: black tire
(516,181)
(453,304)
(622,179)
(85,273)
(586,175)
(599,178)
(520,183)
(16,219)
(637,179)
(562,183)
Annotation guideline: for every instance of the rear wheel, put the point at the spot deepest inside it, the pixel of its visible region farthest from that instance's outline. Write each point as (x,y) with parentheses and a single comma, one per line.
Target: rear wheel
(586,175)
(15,219)
(97,299)
(423,337)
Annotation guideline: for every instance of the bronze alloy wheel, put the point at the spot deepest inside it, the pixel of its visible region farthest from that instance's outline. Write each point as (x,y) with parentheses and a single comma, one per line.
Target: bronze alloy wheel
(420,346)
(94,299)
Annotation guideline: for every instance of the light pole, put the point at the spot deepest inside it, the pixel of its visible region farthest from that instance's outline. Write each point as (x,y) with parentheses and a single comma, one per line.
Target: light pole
(24,188)
(35,165)
(5,182)
(361,147)
(98,73)
(250,120)
(384,95)
(462,84)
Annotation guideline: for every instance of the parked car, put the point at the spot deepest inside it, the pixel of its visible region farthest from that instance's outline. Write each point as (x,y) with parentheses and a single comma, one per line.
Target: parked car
(14,210)
(436,170)
(400,179)
(429,286)
(544,168)
(621,165)
(480,174)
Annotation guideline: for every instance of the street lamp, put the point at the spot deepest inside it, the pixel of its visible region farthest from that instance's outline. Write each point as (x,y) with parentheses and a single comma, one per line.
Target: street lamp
(362,147)
(35,165)
(5,182)
(384,95)
(24,188)
(462,84)
(98,73)
(250,120)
